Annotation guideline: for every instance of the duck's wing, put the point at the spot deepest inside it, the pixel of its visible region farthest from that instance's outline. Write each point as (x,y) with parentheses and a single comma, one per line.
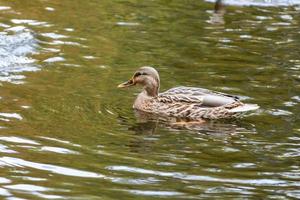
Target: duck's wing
(203,97)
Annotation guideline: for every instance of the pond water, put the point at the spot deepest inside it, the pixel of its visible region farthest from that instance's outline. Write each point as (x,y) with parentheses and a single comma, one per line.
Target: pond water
(67,131)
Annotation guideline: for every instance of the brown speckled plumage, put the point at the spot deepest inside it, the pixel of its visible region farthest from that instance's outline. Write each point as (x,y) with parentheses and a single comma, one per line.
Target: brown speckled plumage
(188,103)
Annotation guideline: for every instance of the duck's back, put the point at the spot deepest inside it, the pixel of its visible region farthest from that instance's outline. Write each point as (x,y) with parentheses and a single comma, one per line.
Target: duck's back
(203,97)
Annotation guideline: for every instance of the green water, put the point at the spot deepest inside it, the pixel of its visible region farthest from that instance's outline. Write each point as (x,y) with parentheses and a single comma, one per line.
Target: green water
(67,131)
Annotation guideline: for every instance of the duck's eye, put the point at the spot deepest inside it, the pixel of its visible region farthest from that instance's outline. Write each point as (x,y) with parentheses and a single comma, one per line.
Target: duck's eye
(137,74)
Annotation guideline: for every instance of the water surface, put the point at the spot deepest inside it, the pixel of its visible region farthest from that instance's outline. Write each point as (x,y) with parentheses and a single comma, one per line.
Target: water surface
(67,132)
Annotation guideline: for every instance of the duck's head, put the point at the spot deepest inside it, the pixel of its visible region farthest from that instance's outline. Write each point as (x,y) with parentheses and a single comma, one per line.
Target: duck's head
(147,77)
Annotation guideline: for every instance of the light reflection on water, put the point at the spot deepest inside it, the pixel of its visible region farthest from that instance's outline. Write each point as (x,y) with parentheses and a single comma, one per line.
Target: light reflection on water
(13,50)
(10,161)
(258,182)
(66,132)
(264,3)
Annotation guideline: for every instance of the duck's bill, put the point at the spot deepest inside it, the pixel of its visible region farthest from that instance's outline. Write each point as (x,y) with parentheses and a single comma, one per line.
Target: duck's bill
(126,84)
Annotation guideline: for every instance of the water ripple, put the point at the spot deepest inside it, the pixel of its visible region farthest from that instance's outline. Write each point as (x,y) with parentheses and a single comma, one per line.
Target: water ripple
(4,180)
(263,3)
(50,9)
(34,190)
(5,149)
(54,35)
(223,189)
(4,192)
(155,193)
(54,59)
(13,51)
(18,140)
(60,141)
(11,115)
(127,23)
(58,150)
(4,8)
(29,22)
(184,176)
(17,162)
(27,187)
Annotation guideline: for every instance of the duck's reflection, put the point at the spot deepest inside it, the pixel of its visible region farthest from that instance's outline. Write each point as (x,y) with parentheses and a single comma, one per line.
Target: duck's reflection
(153,131)
(148,123)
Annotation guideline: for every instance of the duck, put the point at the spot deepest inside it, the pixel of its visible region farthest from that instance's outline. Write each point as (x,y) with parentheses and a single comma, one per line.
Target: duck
(187,103)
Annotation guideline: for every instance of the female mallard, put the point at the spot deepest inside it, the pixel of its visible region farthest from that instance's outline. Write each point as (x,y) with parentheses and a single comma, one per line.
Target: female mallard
(190,103)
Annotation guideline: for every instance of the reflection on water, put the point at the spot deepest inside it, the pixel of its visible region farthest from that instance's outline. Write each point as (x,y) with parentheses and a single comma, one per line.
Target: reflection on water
(148,123)
(9,161)
(218,14)
(67,132)
(266,3)
(13,51)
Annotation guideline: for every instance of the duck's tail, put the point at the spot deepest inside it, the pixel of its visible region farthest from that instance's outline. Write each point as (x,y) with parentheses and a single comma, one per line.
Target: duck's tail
(244,108)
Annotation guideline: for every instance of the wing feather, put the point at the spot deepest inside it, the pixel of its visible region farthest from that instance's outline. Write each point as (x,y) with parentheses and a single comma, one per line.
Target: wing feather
(203,97)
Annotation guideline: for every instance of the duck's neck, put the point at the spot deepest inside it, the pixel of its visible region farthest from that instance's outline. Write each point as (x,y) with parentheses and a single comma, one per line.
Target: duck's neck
(151,92)
(151,89)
